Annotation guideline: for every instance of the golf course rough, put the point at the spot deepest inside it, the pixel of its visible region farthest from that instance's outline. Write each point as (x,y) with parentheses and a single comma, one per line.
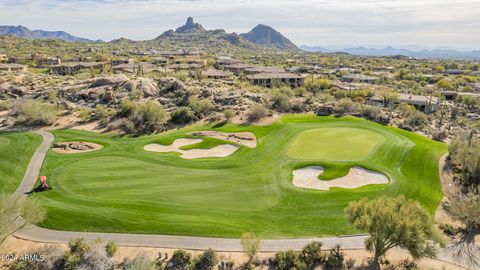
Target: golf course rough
(16,150)
(123,188)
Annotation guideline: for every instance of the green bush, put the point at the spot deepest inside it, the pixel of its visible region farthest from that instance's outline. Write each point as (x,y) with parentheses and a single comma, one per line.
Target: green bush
(312,255)
(201,106)
(206,261)
(32,112)
(182,116)
(288,260)
(180,260)
(256,113)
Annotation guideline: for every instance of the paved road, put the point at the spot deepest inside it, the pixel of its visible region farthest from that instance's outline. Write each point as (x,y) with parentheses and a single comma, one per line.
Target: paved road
(35,233)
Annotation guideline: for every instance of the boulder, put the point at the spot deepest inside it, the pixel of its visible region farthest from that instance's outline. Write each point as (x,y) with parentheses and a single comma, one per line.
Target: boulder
(148,87)
(113,80)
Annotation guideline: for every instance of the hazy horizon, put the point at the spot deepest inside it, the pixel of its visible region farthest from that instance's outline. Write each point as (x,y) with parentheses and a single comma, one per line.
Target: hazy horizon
(327,23)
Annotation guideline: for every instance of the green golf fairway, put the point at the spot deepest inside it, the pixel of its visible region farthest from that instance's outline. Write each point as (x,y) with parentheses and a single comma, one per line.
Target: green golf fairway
(338,144)
(16,150)
(123,188)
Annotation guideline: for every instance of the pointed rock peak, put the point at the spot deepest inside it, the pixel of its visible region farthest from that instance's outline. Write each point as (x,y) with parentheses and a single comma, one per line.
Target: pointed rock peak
(190,26)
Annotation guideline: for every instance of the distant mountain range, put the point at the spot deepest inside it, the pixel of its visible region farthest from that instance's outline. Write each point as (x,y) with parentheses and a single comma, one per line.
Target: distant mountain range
(260,36)
(23,32)
(191,34)
(391,51)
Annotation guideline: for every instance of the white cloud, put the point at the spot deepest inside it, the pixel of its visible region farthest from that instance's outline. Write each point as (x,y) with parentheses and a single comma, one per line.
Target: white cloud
(324,22)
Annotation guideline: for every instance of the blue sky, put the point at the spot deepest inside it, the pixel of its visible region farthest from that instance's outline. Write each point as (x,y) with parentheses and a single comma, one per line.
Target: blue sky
(431,23)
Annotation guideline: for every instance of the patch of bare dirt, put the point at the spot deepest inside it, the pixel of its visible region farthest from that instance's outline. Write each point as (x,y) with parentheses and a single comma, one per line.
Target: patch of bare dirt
(244,138)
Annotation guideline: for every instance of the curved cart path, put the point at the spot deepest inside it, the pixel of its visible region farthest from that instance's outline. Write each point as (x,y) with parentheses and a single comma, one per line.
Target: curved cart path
(34,233)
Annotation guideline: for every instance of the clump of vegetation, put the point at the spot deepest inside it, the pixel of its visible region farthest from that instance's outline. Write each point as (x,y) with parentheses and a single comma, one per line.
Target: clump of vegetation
(205,261)
(250,245)
(466,208)
(201,107)
(464,154)
(140,117)
(32,112)
(394,222)
(180,260)
(228,114)
(182,116)
(256,113)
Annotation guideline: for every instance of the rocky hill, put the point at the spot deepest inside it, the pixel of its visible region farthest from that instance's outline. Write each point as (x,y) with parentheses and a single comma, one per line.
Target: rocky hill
(265,35)
(23,32)
(195,35)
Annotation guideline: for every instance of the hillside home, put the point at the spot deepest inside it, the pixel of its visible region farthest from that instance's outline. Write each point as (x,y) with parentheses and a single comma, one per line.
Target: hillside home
(273,79)
(360,78)
(70,68)
(454,72)
(237,69)
(262,69)
(422,103)
(117,62)
(160,61)
(48,61)
(217,74)
(223,61)
(135,68)
(13,68)
(179,67)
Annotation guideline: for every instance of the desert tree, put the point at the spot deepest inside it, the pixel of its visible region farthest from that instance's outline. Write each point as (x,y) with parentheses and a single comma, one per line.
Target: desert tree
(394,222)
(250,246)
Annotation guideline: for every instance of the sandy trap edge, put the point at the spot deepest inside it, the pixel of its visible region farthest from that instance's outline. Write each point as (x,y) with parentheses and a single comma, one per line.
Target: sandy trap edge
(357,177)
(222,150)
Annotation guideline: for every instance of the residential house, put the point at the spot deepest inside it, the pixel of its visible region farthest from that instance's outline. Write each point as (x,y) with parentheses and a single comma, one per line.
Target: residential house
(454,72)
(136,68)
(48,61)
(162,61)
(217,74)
(69,68)
(179,67)
(422,103)
(263,69)
(223,61)
(273,79)
(13,68)
(237,69)
(117,62)
(360,78)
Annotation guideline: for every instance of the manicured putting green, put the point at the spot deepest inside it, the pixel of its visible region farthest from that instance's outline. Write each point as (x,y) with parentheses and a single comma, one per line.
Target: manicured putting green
(123,188)
(337,144)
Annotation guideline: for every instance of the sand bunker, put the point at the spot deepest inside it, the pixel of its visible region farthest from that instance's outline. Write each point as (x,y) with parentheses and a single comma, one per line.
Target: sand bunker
(75,147)
(357,177)
(245,138)
(222,150)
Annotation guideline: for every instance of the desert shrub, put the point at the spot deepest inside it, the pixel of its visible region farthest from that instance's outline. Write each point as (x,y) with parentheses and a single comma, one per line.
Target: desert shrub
(228,114)
(85,114)
(32,112)
(448,229)
(466,208)
(280,102)
(5,105)
(440,135)
(370,112)
(182,116)
(142,117)
(103,114)
(11,206)
(317,85)
(416,119)
(465,158)
(201,106)
(96,259)
(335,259)
(312,255)
(180,260)
(256,113)
(288,260)
(407,264)
(141,262)
(32,210)
(111,248)
(205,261)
